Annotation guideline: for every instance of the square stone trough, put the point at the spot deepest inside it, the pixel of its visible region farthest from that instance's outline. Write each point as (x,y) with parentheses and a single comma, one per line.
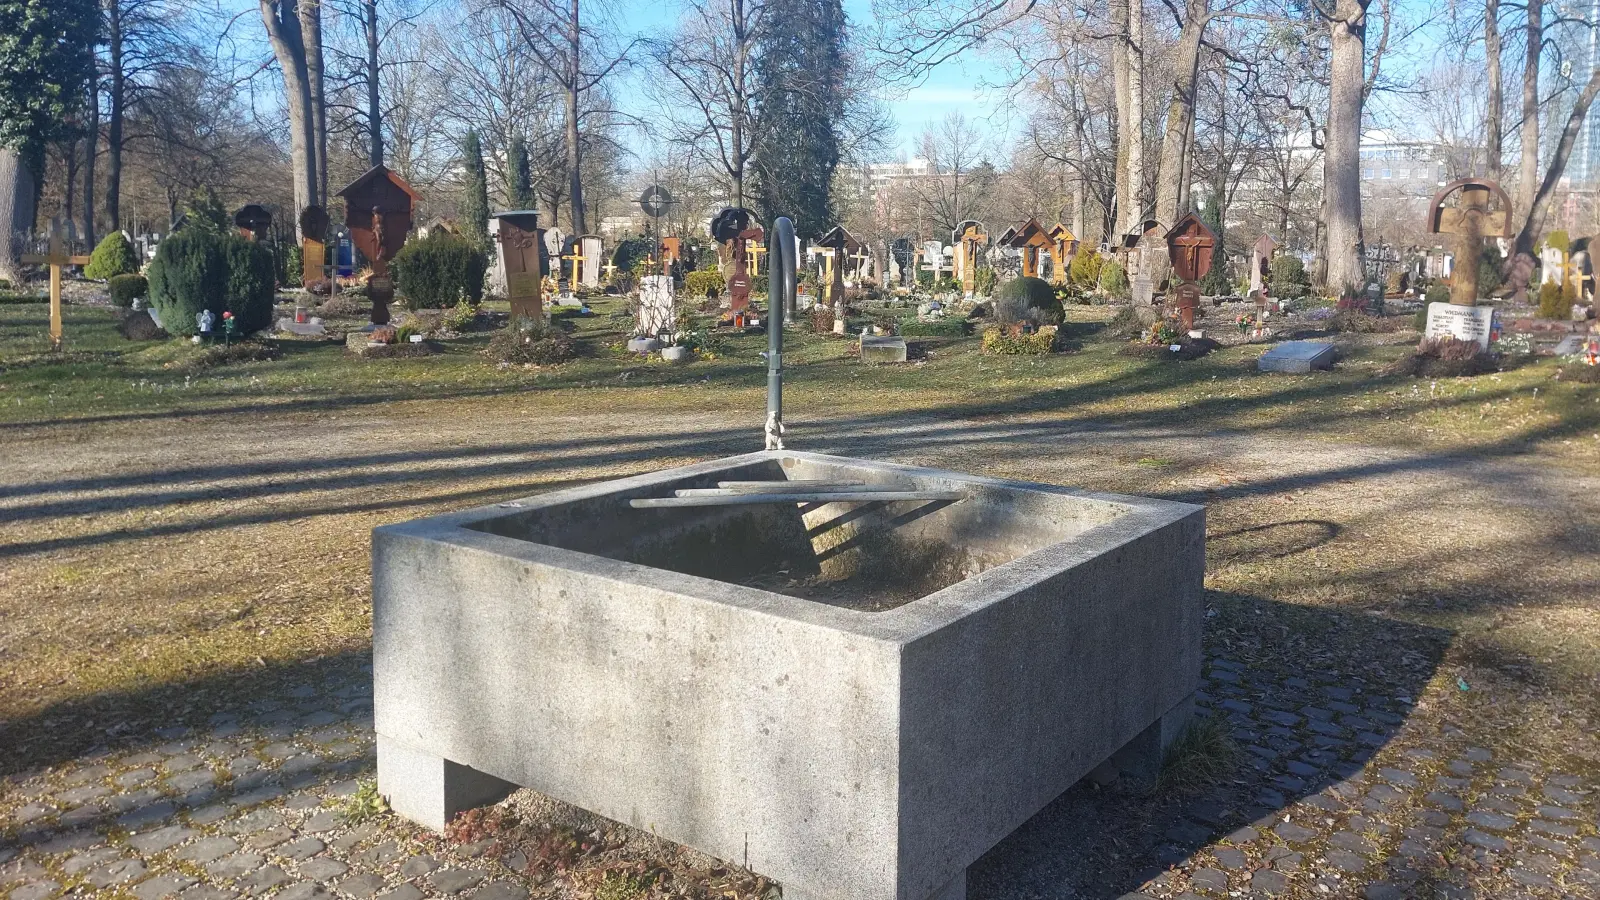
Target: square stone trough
(856,700)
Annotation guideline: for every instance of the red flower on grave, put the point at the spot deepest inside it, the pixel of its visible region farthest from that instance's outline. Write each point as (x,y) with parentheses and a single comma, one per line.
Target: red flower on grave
(227,315)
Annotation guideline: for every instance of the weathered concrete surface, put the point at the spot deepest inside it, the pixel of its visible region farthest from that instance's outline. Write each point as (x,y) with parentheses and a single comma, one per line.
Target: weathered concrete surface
(847,754)
(883,349)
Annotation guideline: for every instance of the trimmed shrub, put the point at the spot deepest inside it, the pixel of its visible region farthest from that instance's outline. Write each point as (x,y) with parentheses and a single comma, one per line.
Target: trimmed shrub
(1001,341)
(293,267)
(1438,292)
(1288,278)
(946,328)
(437,271)
(1489,265)
(1126,323)
(705,283)
(197,269)
(125,289)
(1554,303)
(1114,279)
(1085,269)
(113,256)
(1030,299)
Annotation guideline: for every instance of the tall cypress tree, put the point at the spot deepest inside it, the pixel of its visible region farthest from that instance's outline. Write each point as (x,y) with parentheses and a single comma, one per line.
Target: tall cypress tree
(521,174)
(475,203)
(800,67)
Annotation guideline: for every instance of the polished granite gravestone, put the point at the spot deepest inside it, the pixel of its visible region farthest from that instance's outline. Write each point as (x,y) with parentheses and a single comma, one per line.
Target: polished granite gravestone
(1298,357)
(856,700)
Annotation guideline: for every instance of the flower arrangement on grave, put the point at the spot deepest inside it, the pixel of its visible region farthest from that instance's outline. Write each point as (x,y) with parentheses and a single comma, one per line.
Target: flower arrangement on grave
(229,326)
(1244,321)
(1163,333)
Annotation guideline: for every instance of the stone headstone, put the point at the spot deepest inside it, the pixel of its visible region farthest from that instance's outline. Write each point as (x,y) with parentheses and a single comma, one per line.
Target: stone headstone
(1143,290)
(1468,323)
(657,306)
(882,349)
(592,249)
(1297,357)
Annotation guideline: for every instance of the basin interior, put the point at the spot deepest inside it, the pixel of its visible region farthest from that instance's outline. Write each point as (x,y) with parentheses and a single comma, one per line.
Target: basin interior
(864,556)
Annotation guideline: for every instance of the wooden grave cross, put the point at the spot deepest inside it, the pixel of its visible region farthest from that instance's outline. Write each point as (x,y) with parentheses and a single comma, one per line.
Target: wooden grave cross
(1470,220)
(861,256)
(576,258)
(55,258)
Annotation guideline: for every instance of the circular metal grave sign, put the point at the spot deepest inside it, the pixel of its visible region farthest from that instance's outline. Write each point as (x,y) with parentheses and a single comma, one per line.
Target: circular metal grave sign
(655,200)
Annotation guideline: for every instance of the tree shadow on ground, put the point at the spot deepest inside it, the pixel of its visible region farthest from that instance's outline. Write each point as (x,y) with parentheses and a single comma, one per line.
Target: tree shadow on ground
(1301,723)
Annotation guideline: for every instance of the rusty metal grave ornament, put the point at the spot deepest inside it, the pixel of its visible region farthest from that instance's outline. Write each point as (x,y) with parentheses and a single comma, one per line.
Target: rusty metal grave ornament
(378,209)
(1190,248)
(1471,209)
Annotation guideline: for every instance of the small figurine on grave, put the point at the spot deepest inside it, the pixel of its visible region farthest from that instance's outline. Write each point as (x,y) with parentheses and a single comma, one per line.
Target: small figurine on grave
(204,320)
(229,325)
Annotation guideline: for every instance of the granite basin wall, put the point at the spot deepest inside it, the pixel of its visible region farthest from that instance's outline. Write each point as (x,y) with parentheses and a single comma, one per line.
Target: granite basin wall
(609,657)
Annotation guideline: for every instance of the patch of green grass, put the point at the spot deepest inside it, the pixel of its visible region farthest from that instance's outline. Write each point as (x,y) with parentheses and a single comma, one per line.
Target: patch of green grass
(619,885)
(1201,757)
(1155,462)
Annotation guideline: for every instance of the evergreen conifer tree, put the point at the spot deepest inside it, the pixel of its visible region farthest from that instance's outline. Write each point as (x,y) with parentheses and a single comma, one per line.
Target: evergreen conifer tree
(521,175)
(800,65)
(475,202)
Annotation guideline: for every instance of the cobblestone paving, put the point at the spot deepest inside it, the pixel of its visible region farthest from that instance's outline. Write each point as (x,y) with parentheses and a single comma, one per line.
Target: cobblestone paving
(1330,799)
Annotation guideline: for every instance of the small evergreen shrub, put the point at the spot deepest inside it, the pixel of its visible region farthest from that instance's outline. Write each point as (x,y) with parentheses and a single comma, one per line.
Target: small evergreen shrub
(1114,279)
(1554,303)
(1126,324)
(437,271)
(946,328)
(125,289)
(984,281)
(1489,266)
(1438,292)
(198,268)
(1288,279)
(1001,341)
(1030,299)
(1085,270)
(113,256)
(293,267)
(706,283)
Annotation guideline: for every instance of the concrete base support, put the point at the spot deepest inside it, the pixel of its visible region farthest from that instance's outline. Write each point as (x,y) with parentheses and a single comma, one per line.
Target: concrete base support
(1142,757)
(429,790)
(956,889)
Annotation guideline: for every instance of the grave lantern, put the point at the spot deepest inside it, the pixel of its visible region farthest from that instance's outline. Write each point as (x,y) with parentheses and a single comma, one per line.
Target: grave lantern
(378,208)
(520,253)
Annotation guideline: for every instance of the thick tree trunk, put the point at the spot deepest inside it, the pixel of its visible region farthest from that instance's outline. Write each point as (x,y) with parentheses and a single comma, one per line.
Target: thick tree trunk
(16,212)
(1528,180)
(1520,266)
(1342,151)
(1180,113)
(311,52)
(1494,114)
(374,102)
(1135,49)
(574,151)
(284,35)
(118,98)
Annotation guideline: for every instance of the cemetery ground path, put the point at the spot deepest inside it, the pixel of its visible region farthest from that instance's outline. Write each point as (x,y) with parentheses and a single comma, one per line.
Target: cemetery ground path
(1403,652)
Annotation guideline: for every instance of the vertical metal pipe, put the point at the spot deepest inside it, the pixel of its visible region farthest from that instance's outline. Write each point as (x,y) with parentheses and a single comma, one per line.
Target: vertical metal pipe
(781,265)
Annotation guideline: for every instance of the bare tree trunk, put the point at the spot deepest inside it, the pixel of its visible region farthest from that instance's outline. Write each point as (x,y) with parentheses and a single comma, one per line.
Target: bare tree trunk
(369,12)
(1135,113)
(284,34)
(16,211)
(91,142)
(1170,186)
(118,97)
(69,203)
(1494,114)
(1125,115)
(1520,267)
(1528,180)
(311,51)
(1342,151)
(574,153)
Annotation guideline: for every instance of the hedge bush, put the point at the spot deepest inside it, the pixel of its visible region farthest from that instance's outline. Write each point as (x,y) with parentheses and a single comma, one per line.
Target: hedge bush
(1114,279)
(1084,271)
(950,328)
(113,256)
(1554,303)
(437,271)
(197,269)
(1030,298)
(127,288)
(704,283)
(1288,279)
(1001,341)
(984,281)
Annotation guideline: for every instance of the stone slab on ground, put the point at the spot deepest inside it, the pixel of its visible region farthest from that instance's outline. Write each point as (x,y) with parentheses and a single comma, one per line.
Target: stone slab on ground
(882,349)
(1297,357)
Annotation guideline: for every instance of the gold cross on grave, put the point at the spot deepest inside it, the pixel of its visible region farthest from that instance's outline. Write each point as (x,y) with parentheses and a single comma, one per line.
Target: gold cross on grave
(576,257)
(55,259)
(611,269)
(755,251)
